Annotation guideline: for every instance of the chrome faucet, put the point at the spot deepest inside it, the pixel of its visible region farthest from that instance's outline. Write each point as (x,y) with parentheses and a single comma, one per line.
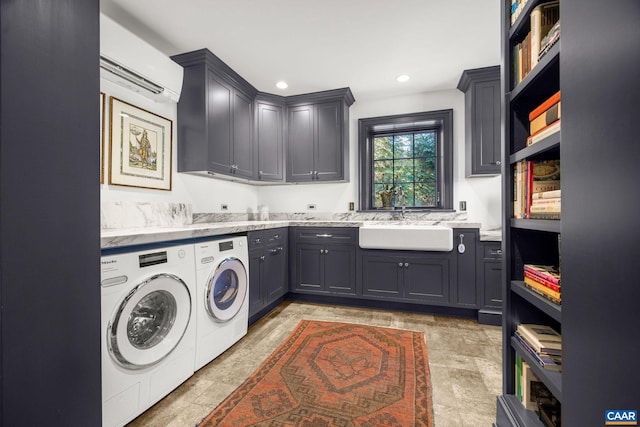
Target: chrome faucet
(401,194)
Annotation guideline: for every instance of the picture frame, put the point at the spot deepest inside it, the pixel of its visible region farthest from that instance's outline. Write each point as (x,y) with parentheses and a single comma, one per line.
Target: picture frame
(140,149)
(102,147)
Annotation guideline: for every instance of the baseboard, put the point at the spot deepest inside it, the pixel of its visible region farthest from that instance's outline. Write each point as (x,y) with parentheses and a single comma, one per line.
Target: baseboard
(490,317)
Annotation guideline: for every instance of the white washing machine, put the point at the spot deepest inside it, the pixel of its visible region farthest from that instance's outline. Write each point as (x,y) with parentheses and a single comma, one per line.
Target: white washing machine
(222,297)
(148,328)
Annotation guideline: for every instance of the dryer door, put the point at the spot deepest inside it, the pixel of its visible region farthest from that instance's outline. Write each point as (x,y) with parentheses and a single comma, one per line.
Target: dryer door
(226,290)
(150,322)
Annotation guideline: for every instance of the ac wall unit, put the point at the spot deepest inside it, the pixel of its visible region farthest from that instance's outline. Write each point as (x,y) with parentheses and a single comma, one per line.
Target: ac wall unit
(131,62)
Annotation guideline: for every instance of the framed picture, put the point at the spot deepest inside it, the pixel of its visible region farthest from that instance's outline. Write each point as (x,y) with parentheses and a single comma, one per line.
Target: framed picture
(102,101)
(140,148)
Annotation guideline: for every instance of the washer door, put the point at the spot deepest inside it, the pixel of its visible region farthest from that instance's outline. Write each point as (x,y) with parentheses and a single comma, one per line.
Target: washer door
(226,290)
(150,322)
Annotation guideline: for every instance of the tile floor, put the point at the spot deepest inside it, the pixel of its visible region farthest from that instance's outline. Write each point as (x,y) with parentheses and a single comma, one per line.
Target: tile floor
(464,359)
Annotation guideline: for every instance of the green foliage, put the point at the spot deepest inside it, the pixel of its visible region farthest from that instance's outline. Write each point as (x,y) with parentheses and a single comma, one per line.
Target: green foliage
(407,160)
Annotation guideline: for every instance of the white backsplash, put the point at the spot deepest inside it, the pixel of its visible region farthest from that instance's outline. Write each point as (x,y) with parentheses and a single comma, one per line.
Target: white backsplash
(119,215)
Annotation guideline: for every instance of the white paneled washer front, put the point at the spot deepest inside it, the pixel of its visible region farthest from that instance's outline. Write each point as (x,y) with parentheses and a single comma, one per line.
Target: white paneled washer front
(222,301)
(148,328)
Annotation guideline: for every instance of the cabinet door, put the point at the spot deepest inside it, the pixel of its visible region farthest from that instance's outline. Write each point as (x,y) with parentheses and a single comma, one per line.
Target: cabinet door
(309,267)
(275,274)
(340,269)
(382,276)
(492,288)
(426,278)
(328,145)
(300,144)
(486,128)
(219,99)
(270,142)
(242,135)
(256,278)
(464,290)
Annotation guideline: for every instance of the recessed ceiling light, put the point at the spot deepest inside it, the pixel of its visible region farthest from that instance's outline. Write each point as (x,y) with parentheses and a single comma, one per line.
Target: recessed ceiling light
(403,78)
(282,85)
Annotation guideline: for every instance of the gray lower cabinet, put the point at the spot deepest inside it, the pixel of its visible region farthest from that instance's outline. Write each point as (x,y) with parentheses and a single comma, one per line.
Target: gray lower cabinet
(401,276)
(481,87)
(269,137)
(489,281)
(215,118)
(268,261)
(323,260)
(464,292)
(317,137)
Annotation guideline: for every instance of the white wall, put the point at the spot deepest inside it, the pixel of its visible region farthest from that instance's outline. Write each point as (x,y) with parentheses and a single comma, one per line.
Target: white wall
(204,194)
(481,194)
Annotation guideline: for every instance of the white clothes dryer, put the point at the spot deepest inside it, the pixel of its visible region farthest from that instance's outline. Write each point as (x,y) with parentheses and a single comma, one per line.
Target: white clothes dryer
(222,298)
(148,328)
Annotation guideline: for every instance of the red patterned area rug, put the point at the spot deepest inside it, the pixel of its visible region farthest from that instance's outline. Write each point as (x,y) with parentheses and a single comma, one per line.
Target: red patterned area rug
(335,374)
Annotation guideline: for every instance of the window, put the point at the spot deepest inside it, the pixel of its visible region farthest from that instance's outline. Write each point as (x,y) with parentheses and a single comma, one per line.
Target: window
(406,154)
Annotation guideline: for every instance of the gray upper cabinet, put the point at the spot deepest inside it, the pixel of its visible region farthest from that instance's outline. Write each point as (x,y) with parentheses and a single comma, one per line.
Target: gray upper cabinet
(269,136)
(215,118)
(318,136)
(481,87)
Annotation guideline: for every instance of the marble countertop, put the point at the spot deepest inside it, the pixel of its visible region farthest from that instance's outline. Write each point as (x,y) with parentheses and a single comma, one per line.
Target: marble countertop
(113,238)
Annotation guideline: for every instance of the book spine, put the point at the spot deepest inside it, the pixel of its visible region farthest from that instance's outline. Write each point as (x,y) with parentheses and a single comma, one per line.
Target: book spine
(540,208)
(553,99)
(545,119)
(544,132)
(545,215)
(553,286)
(536,37)
(542,288)
(547,194)
(546,201)
(544,362)
(542,274)
(546,185)
(543,294)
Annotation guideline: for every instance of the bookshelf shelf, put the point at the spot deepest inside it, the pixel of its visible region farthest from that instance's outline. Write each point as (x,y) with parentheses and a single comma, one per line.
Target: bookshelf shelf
(545,73)
(518,414)
(547,145)
(549,308)
(553,380)
(549,225)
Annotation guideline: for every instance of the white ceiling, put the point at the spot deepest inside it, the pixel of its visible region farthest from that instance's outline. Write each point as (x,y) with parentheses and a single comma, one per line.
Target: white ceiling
(318,45)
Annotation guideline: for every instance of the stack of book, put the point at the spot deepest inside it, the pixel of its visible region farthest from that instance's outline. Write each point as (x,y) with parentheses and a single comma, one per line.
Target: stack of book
(544,120)
(527,53)
(544,280)
(543,343)
(536,178)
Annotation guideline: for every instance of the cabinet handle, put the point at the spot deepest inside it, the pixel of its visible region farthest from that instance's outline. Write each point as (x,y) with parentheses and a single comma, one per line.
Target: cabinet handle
(400,264)
(324,235)
(326,251)
(321,251)
(406,265)
(262,258)
(256,240)
(498,163)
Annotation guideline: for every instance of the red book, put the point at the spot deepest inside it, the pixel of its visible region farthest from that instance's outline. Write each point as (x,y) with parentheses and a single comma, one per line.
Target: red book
(542,281)
(554,99)
(544,272)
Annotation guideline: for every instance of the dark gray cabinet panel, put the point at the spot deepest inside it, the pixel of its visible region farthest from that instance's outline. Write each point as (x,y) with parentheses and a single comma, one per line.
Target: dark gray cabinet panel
(482,120)
(464,291)
(270,137)
(50,257)
(490,278)
(268,269)
(215,118)
(318,136)
(300,147)
(323,260)
(399,276)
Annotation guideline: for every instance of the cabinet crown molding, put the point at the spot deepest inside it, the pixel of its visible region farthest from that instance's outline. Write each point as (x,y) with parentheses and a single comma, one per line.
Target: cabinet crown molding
(478,74)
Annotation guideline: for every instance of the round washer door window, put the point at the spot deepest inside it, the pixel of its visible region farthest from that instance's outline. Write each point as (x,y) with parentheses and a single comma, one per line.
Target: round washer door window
(226,290)
(150,322)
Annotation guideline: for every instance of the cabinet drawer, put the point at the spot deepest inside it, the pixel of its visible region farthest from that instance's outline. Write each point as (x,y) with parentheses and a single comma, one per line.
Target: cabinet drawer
(260,238)
(326,235)
(492,251)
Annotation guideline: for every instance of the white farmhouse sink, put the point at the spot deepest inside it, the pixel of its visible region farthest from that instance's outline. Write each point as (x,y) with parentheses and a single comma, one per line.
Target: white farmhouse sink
(406,237)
